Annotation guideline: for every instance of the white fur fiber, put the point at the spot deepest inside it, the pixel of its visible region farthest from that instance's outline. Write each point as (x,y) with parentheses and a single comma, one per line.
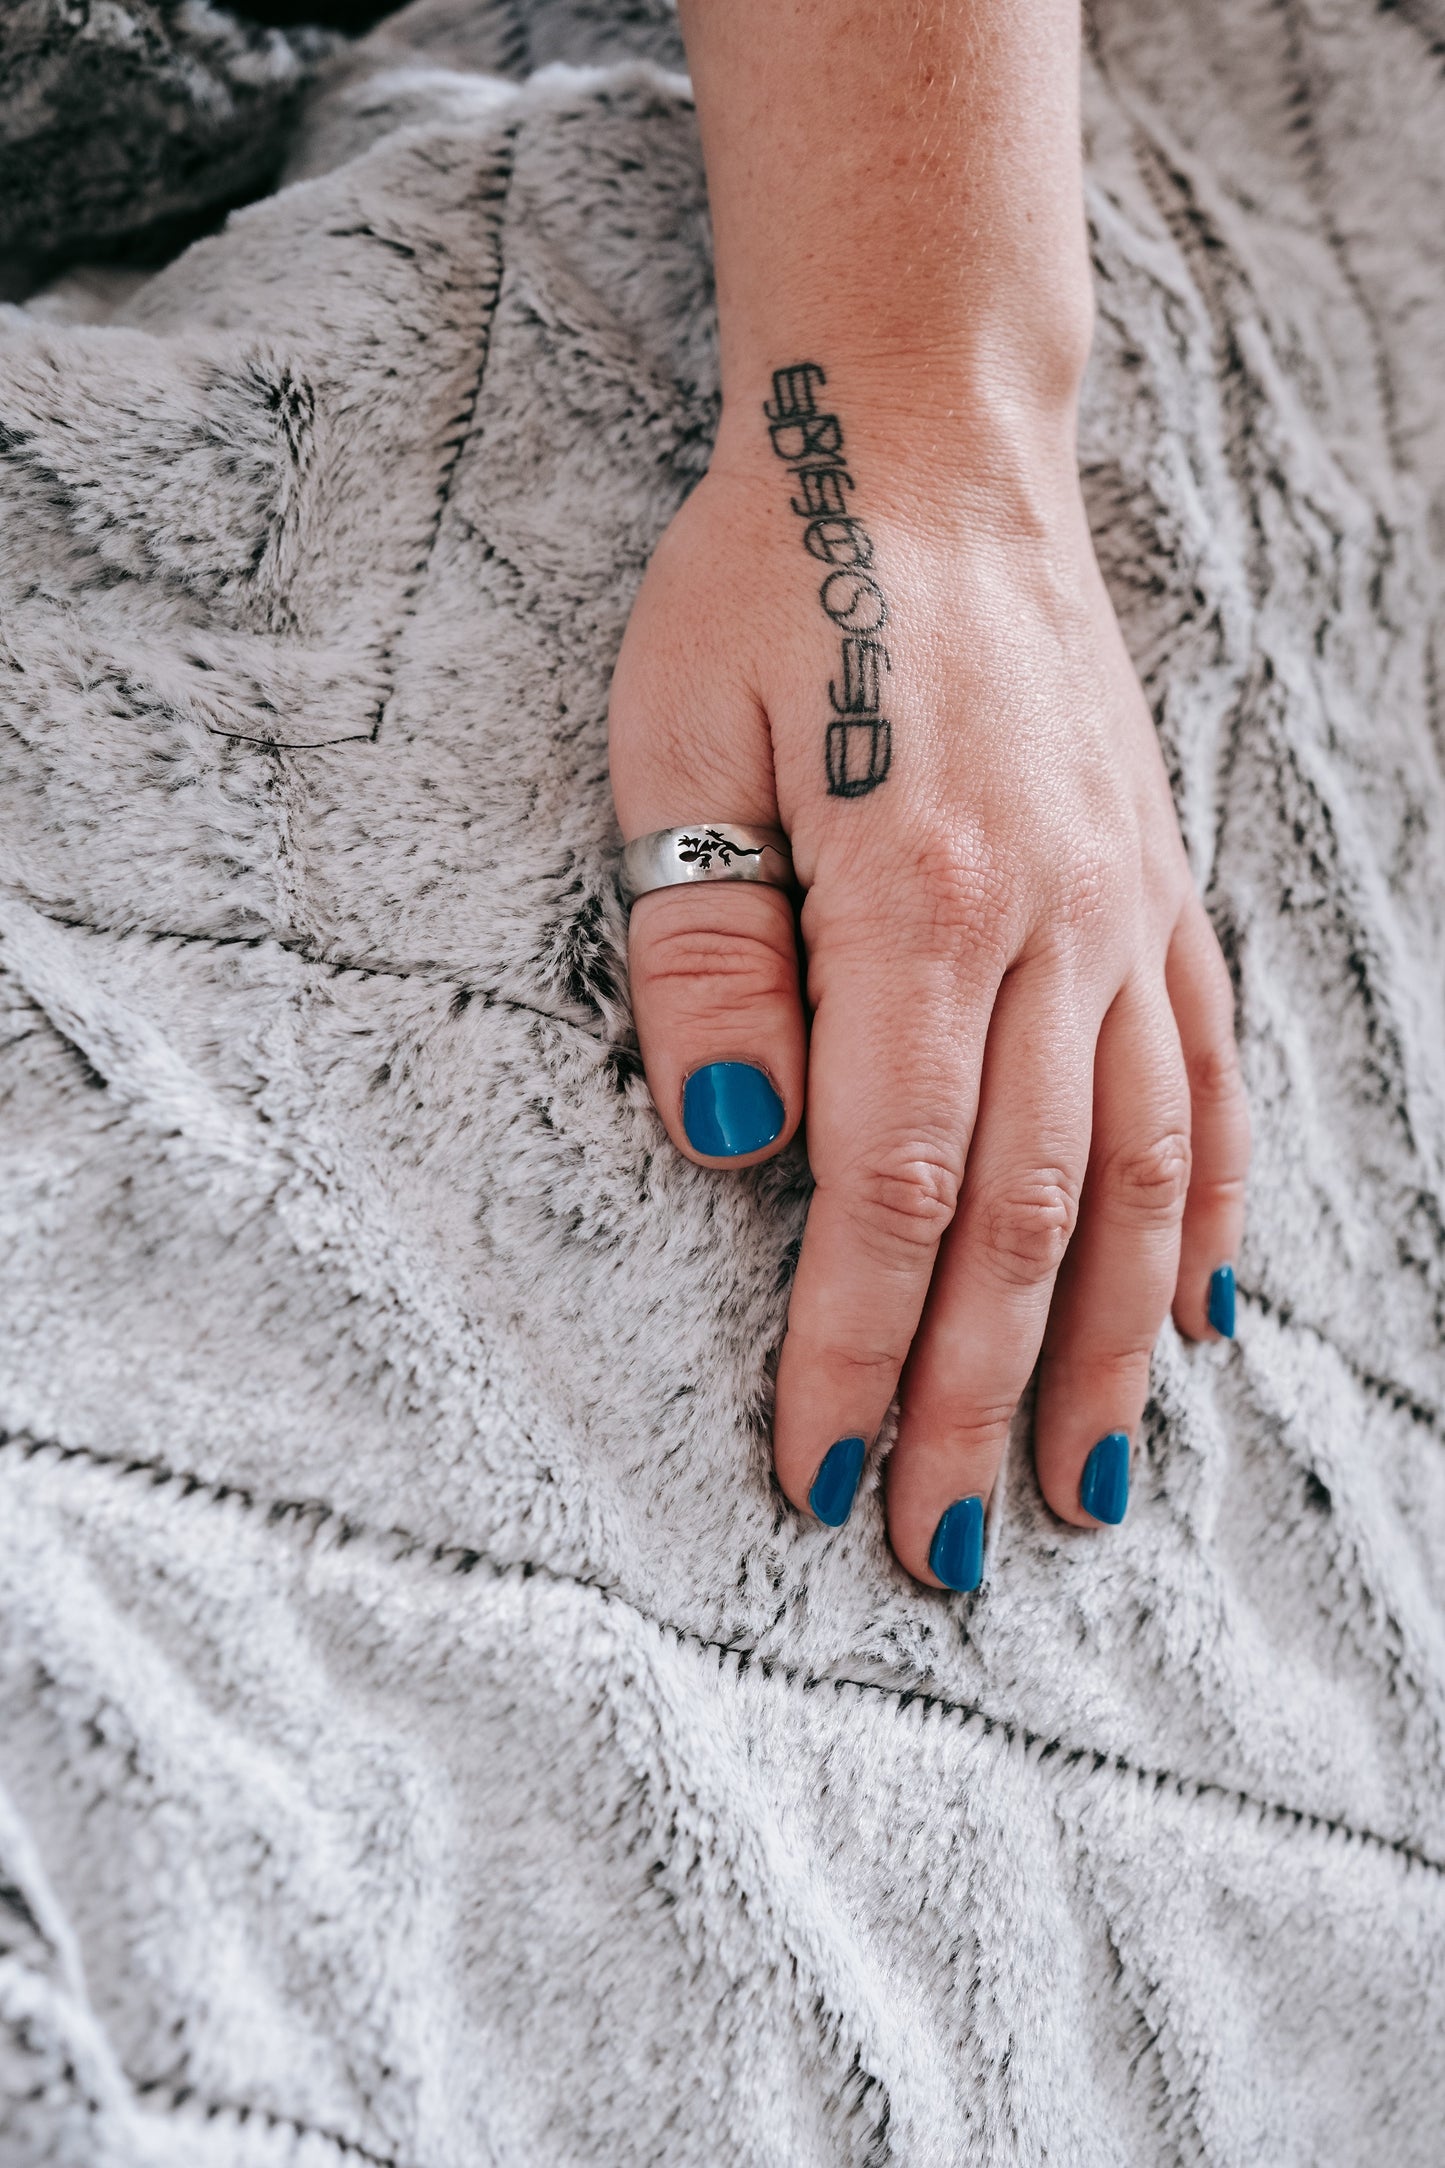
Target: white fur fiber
(426,1738)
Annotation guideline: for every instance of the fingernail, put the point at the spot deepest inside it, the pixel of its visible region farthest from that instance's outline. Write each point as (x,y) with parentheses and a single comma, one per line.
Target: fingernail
(730,1108)
(1104,1485)
(1221,1301)
(955,1555)
(836,1483)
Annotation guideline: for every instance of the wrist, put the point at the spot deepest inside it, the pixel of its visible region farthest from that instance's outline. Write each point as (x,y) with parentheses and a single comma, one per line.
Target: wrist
(983,334)
(937,437)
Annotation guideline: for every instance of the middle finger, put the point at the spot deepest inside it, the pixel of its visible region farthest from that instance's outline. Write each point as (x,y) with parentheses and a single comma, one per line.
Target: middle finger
(893,1075)
(989,1301)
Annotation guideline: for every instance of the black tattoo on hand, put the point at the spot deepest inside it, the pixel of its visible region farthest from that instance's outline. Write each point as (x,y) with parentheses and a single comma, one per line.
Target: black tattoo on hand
(860,741)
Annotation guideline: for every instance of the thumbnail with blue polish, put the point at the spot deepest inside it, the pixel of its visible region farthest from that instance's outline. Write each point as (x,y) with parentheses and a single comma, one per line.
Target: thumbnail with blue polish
(955,1556)
(1104,1487)
(836,1482)
(730,1108)
(1221,1301)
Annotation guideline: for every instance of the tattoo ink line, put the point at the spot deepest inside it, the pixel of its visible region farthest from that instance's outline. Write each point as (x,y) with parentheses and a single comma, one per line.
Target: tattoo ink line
(860,740)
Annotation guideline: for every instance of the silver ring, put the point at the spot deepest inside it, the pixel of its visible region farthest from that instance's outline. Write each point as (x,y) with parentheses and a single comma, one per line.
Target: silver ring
(707,851)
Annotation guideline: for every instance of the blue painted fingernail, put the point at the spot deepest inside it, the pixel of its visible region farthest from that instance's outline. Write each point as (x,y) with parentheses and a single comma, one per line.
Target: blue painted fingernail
(1104,1485)
(1221,1301)
(730,1108)
(955,1555)
(836,1483)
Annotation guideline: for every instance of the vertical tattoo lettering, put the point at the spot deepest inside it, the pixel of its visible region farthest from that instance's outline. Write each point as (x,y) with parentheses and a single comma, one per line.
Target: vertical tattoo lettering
(859,743)
(861,658)
(822,491)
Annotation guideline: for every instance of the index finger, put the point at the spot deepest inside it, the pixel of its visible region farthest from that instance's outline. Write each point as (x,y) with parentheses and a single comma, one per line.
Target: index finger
(896,1052)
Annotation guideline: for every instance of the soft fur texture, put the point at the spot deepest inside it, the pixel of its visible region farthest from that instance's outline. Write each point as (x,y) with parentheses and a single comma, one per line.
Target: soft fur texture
(426,1737)
(121,115)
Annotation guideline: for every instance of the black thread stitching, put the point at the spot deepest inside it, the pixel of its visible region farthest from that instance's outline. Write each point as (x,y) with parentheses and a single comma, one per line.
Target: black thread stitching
(466,1559)
(1396,1396)
(493,194)
(515,55)
(338,966)
(1401,1398)
(1318,178)
(178,2097)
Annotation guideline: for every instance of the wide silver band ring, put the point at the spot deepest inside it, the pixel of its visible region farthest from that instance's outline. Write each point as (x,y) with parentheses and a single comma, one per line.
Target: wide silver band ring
(706,851)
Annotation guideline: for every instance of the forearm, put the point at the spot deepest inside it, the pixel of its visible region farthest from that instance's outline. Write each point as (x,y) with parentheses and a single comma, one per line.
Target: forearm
(896,192)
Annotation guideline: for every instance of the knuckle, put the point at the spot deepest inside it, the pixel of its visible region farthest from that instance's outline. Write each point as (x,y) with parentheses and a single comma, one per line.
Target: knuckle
(739,965)
(1115,1377)
(962,901)
(903,1198)
(869,1368)
(1091,891)
(1220,1192)
(1214,1079)
(1089,901)
(975,1431)
(1026,1224)
(945,898)
(1150,1182)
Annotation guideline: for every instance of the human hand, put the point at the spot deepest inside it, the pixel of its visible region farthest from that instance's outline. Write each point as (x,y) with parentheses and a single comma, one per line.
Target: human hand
(1024,1113)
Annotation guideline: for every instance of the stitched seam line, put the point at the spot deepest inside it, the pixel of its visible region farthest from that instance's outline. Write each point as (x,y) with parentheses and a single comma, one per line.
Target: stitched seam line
(1395,1395)
(177,2097)
(492,196)
(1307,72)
(491,997)
(463,1558)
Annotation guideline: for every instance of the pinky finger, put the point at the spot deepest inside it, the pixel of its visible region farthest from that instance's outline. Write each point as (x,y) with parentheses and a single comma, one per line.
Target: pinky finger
(1202,999)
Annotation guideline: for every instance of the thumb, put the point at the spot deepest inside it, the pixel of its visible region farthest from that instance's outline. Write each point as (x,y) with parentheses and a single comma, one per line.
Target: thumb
(719,1018)
(714,967)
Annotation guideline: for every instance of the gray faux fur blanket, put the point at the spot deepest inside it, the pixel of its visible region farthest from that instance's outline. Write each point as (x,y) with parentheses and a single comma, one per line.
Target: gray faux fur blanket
(426,1738)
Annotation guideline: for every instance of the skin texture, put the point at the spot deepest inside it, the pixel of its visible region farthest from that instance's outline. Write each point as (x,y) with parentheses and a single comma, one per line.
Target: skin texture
(1014,1049)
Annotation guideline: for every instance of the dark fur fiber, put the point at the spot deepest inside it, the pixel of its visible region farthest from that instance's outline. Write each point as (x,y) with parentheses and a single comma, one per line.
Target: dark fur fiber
(426,1738)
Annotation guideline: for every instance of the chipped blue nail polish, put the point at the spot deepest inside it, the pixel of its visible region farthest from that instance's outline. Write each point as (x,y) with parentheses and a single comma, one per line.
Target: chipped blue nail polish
(730,1108)
(1104,1486)
(1221,1301)
(955,1556)
(836,1483)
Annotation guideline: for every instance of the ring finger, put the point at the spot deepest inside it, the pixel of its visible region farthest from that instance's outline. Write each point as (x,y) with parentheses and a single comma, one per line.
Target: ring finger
(1115,1288)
